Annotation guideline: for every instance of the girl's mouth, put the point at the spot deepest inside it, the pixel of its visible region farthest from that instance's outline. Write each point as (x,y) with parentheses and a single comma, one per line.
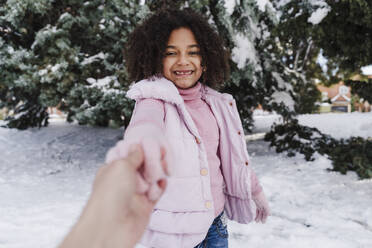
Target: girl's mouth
(183,72)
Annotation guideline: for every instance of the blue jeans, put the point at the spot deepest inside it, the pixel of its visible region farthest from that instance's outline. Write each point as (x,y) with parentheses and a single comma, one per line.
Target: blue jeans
(217,235)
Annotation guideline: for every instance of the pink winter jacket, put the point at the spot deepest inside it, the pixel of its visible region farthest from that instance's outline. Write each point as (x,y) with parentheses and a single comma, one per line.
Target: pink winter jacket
(184,213)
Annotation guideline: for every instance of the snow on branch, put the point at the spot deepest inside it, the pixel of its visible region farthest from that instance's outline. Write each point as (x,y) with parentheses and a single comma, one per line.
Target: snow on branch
(320,13)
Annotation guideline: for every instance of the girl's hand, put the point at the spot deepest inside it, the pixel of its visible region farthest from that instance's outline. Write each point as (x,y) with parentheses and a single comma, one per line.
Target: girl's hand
(262,207)
(156,158)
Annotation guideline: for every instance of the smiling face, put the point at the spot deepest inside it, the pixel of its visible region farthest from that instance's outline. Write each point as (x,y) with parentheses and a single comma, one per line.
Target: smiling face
(182,60)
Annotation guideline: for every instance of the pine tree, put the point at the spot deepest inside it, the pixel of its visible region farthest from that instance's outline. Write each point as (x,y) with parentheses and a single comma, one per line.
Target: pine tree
(69,54)
(345,36)
(66,54)
(341,30)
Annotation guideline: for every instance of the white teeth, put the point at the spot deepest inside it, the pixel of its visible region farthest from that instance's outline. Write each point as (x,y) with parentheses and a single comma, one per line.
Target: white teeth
(183,72)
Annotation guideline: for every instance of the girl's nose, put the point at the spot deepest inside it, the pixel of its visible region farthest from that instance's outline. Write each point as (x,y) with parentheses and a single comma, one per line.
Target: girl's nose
(182,60)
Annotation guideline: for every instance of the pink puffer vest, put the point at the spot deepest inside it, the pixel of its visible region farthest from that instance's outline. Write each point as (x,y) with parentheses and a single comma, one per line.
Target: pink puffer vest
(185,212)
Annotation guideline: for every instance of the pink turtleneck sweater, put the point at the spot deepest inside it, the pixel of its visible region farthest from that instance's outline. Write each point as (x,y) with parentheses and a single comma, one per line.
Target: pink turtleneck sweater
(207,126)
(208,129)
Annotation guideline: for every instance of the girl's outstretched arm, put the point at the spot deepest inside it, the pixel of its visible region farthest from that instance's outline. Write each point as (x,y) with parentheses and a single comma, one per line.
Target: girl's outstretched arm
(147,111)
(147,129)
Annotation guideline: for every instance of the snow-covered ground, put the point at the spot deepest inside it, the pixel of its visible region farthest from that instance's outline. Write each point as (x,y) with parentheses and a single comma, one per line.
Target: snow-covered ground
(46,176)
(338,125)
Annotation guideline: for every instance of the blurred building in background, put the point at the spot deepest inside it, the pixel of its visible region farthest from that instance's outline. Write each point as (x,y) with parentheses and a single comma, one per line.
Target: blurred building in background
(338,98)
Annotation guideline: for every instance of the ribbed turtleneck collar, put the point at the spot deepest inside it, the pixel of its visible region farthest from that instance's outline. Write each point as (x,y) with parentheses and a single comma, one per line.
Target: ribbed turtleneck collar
(192,93)
(192,96)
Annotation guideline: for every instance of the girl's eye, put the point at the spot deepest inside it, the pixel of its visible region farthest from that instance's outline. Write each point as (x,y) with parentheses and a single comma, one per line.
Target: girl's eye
(169,53)
(195,53)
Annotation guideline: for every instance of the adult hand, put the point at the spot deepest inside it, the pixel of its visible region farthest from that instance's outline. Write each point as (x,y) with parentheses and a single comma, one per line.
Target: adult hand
(154,146)
(116,215)
(262,207)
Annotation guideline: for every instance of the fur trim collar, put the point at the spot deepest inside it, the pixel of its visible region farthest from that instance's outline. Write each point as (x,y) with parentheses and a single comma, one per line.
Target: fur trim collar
(162,89)
(156,88)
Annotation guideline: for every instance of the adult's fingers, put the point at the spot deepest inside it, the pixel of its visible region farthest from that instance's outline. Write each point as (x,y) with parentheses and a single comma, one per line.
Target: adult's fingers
(142,185)
(164,161)
(162,183)
(163,152)
(153,165)
(156,190)
(135,156)
(154,193)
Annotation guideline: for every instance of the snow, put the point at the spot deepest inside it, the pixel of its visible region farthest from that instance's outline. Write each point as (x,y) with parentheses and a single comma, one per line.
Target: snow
(317,16)
(322,61)
(43,72)
(322,9)
(56,67)
(230,5)
(341,125)
(367,70)
(10,50)
(281,3)
(243,51)
(117,19)
(338,125)
(94,58)
(262,4)
(283,97)
(263,120)
(104,84)
(320,210)
(281,83)
(46,176)
(64,15)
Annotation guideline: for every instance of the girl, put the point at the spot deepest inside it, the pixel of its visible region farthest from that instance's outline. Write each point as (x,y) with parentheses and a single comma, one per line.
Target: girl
(176,58)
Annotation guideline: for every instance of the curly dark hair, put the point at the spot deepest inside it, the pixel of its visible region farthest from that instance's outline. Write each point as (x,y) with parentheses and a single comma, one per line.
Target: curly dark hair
(146,46)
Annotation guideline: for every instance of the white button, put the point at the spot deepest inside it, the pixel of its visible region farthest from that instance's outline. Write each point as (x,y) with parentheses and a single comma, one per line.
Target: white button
(208,204)
(204,172)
